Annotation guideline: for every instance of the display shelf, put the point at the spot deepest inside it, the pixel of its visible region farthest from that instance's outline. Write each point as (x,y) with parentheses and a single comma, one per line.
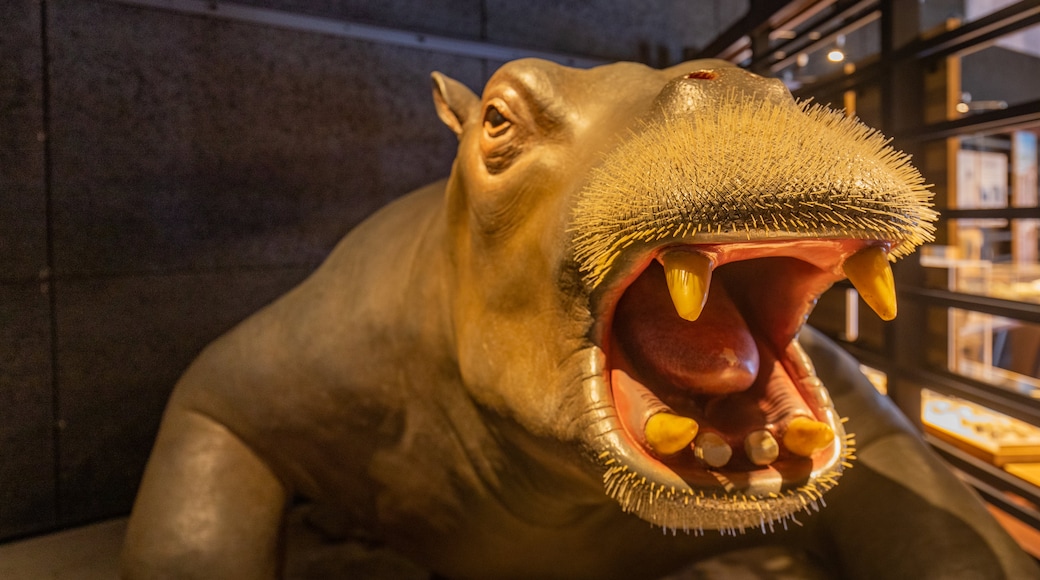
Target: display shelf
(986,434)
(1016,281)
(1026,471)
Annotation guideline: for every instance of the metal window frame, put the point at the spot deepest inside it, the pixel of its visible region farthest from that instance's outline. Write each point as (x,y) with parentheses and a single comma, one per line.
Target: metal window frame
(903,353)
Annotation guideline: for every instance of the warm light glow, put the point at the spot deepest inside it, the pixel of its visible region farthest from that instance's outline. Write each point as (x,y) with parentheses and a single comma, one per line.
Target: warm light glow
(963,107)
(835,55)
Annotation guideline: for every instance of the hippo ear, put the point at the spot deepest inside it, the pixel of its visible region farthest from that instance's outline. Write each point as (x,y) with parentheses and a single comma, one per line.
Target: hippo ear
(455,103)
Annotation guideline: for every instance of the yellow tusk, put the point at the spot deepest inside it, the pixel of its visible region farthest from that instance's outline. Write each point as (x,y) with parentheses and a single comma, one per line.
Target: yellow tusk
(805,436)
(688,275)
(668,434)
(869,272)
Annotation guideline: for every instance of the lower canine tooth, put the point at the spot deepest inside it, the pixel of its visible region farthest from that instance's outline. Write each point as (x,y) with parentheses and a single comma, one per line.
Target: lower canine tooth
(711,449)
(668,434)
(761,447)
(870,273)
(805,436)
(688,276)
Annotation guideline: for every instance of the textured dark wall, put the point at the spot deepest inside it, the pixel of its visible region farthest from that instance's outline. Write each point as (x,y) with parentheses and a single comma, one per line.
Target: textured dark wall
(27,499)
(194,169)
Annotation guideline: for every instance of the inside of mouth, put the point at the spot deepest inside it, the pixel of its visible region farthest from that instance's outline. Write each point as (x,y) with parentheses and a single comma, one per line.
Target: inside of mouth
(731,370)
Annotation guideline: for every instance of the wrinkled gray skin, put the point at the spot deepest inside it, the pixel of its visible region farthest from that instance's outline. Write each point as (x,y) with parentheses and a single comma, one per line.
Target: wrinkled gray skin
(425,385)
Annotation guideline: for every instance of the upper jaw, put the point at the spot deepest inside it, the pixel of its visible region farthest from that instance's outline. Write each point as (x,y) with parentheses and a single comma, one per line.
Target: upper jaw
(743,433)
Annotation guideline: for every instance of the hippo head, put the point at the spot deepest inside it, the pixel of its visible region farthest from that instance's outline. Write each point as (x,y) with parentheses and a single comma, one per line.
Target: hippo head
(635,252)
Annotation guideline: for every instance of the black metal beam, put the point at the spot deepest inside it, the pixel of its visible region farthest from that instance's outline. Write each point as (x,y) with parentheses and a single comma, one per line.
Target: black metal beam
(974,34)
(1001,213)
(759,15)
(987,122)
(1025,311)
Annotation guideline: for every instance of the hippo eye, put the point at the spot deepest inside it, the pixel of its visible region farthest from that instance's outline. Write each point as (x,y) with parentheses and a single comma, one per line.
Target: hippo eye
(495,123)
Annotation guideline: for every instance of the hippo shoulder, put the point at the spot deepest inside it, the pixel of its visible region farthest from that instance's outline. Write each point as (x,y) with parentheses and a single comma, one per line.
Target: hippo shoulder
(325,357)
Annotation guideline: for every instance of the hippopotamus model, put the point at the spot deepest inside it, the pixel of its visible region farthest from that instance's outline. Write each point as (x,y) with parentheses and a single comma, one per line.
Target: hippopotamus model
(583,355)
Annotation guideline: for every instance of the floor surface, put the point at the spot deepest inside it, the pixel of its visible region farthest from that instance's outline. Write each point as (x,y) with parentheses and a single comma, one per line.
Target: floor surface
(87,553)
(92,552)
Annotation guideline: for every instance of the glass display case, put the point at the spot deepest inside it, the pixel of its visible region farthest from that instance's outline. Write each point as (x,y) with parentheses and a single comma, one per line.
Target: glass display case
(956,83)
(996,438)
(976,292)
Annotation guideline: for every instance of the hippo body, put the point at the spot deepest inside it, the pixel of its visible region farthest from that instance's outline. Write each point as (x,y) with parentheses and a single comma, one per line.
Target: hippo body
(459,380)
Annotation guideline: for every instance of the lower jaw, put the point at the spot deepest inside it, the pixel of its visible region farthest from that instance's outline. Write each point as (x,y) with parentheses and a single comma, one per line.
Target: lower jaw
(740,476)
(679,492)
(696,501)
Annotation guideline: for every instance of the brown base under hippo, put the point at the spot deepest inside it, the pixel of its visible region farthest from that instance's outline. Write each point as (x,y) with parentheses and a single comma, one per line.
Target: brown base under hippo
(581,356)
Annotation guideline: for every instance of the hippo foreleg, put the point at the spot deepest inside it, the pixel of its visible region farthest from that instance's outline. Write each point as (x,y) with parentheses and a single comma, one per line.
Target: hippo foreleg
(208,507)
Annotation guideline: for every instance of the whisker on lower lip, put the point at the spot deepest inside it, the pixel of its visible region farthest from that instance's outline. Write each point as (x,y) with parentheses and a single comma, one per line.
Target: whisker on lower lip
(693,511)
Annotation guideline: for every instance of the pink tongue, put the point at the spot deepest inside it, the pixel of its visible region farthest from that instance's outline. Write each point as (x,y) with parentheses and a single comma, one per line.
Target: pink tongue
(714,355)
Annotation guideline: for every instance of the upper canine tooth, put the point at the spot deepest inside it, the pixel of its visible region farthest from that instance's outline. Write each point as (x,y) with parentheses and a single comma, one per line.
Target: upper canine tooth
(805,436)
(668,434)
(761,447)
(870,273)
(688,275)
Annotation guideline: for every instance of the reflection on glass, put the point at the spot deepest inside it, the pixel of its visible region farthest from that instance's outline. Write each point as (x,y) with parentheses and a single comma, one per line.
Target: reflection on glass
(936,13)
(1003,74)
(993,256)
(832,54)
(1001,351)
(991,436)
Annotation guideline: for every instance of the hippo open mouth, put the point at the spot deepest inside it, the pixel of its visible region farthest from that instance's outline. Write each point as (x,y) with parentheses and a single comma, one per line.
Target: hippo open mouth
(710,386)
(704,251)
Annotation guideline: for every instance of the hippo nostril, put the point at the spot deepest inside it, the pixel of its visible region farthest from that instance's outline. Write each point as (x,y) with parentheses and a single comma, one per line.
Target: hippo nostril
(704,75)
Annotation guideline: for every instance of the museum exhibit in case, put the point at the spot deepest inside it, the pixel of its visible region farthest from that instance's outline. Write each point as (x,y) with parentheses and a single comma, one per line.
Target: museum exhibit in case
(957,84)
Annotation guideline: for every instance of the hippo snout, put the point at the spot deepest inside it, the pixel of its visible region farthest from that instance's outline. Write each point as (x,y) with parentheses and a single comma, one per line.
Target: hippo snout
(704,239)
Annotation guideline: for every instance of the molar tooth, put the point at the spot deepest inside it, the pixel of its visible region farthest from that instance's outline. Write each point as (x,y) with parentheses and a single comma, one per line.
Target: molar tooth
(688,275)
(870,273)
(712,449)
(668,434)
(805,436)
(761,447)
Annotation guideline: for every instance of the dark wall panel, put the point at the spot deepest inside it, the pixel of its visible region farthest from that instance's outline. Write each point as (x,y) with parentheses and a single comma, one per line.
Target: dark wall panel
(189,143)
(23,225)
(655,32)
(193,160)
(27,482)
(455,18)
(123,342)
